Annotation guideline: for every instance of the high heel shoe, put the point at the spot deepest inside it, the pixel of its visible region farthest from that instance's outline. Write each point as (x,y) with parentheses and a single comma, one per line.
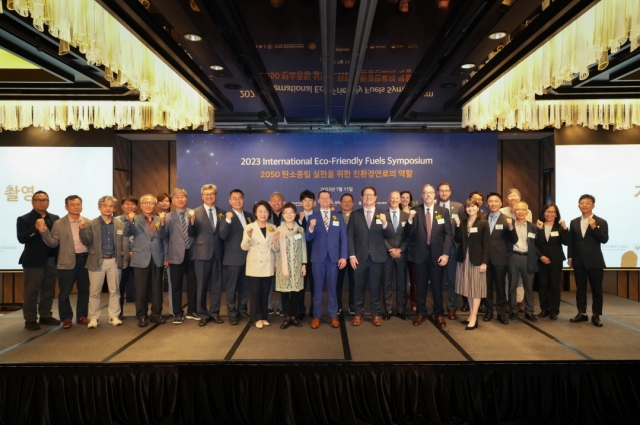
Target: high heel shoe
(470,328)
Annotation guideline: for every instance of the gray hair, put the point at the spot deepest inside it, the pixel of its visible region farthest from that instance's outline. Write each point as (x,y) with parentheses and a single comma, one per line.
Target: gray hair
(148,195)
(177,191)
(107,198)
(276,194)
(513,190)
(209,186)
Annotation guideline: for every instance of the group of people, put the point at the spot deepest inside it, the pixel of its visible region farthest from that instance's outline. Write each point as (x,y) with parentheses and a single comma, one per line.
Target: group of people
(439,244)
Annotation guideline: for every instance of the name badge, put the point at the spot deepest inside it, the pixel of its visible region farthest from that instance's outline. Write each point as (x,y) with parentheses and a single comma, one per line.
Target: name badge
(297,236)
(378,221)
(532,235)
(336,223)
(440,221)
(119,232)
(554,233)
(454,216)
(473,230)
(403,223)
(498,227)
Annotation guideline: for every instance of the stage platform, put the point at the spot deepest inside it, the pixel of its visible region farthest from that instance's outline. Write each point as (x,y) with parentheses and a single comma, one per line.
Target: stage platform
(548,372)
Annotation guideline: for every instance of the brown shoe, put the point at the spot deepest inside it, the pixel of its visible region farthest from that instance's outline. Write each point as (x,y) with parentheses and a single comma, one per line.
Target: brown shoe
(376,320)
(357,321)
(521,306)
(419,320)
(66,324)
(83,320)
(441,321)
(335,323)
(315,323)
(452,315)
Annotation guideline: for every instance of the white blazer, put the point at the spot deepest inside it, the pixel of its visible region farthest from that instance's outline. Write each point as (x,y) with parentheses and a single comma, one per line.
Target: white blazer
(261,260)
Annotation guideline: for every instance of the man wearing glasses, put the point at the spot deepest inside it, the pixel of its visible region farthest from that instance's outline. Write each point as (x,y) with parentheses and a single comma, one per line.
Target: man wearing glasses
(39,264)
(449,273)
(588,233)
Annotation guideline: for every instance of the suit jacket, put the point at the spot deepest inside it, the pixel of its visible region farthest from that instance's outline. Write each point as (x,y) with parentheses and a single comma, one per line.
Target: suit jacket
(334,242)
(91,236)
(145,245)
(441,234)
(365,241)
(500,240)
(304,223)
(231,234)
(532,253)
(586,251)
(206,239)
(35,250)
(477,242)
(61,236)
(345,217)
(261,260)
(552,248)
(398,237)
(455,208)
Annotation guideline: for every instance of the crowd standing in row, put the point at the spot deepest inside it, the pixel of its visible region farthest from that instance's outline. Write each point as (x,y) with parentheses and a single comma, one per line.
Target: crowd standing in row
(440,244)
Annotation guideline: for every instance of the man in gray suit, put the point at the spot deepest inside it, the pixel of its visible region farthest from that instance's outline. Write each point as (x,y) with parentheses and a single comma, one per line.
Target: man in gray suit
(207,253)
(234,261)
(108,255)
(147,260)
(449,272)
(38,262)
(72,258)
(396,265)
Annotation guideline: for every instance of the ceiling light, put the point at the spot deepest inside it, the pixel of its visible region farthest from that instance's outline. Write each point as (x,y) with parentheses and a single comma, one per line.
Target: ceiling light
(217,67)
(468,66)
(192,37)
(498,35)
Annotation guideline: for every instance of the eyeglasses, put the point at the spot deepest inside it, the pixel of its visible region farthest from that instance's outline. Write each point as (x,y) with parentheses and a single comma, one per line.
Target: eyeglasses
(444,190)
(41,200)
(368,195)
(429,192)
(209,194)
(147,203)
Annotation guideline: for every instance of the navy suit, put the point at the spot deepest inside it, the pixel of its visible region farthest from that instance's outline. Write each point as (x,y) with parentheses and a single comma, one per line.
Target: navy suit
(396,267)
(587,261)
(425,256)
(499,241)
(234,263)
(328,247)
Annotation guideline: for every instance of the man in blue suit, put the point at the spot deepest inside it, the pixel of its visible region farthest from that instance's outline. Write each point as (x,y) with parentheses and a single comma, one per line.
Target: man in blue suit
(328,254)
(147,260)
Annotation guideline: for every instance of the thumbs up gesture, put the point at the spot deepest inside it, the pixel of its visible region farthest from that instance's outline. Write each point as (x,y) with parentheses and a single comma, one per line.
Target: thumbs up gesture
(563,224)
(539,224)
(383,219)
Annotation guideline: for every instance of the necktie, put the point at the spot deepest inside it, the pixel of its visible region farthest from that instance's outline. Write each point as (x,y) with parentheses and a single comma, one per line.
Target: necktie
(369,219)
(185,233)
(395,220)
(211,217)
(427,223)
(326,220)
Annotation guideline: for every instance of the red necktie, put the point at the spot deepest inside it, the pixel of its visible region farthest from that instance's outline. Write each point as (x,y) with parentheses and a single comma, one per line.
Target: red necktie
(427,224)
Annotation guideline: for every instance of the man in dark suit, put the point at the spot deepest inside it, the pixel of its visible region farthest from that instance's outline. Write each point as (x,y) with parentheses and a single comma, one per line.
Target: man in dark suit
(430,239)
(367,254)
(235,258)
(523,263)
(346,208)
(449,273)
(396,264)
(39,264)
(588,233)
(207,253)
(129,204)
(328,236)
(502,234)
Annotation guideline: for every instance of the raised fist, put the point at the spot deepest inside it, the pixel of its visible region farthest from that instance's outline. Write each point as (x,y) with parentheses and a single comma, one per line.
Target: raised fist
(41,226)
(301,216)
(229,215)
(383,219)
(509,222)
(412,214)
(131,216)
(162,215)
(563,224)
(191,213)
(457,221)
(539,224)
(592,223)
(82,223)
(312,223)
(250,232)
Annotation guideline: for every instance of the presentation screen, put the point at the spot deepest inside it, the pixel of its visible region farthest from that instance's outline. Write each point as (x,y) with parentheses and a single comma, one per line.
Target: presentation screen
(610,173)
(59,171)
(260,164)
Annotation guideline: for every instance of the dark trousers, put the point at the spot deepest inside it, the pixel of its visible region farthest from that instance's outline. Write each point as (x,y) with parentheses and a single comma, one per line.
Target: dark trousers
(426,272)
(495,281)
(148,280)
(518,269)
(236,281)
(290,303)
(549,286)
(38,282)
(348,272)
(259,289)
(177,272)
(595,280)
(449,279)
(413,284)
(368,272)
(66,278)
(308,286)
(209,278)
(126,281)
(394,267)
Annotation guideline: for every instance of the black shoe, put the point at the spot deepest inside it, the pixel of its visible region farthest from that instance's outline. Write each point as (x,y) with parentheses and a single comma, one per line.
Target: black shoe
(352,311)
(543,314)
(49,321)
(483,310)
(296,322)
(465,307)
(530,316)
(217,319)
(579,318)
(387,315)
(503,320)
(402,315)
(466,322)
(553,316)
(193,316)
(203,321)
(143,321)
(269,311)
(595,319)
(233,321)
(488,317)
(300,316)
(32,326)
(279,312)
(244,315)
(178,319)
(284,324)
(513,315)
(157,319)
(470,328)
(121,316)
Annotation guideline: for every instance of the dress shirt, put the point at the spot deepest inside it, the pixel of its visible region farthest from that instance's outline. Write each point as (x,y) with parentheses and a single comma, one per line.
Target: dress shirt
(493,218)
(522,245)
(322,215)
(108,246)
(240,217)
(446,205)
(213,213)
(397,218)
(584,224)
(75,231)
